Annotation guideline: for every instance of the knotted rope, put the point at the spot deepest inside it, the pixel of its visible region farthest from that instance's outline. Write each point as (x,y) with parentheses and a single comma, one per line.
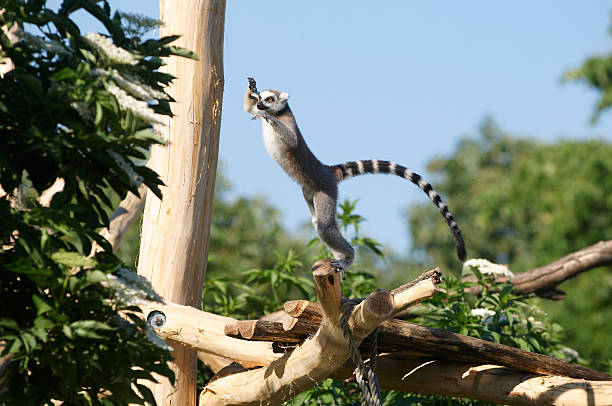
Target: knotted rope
(364,374)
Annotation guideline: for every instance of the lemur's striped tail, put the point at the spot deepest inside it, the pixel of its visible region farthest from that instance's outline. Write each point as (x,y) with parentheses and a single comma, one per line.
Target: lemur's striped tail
(355,168)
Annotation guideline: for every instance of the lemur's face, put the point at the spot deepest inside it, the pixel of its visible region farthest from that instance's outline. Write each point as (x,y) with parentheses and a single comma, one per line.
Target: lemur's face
(272,100)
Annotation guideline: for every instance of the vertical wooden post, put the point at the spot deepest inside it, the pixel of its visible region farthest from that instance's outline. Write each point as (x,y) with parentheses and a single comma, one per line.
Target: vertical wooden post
(175,234)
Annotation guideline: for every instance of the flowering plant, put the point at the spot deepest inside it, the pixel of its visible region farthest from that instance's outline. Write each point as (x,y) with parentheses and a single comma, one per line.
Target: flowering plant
(81,108)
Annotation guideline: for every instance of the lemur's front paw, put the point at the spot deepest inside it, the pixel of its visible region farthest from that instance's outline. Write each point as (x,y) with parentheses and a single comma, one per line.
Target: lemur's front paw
(252,85)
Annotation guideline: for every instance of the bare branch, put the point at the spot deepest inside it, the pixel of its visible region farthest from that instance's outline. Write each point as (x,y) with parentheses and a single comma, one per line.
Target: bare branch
(129,209)
(547,277)
(543,281)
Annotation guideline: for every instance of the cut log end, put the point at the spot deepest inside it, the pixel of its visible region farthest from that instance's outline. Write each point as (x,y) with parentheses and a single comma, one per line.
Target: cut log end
(380,304)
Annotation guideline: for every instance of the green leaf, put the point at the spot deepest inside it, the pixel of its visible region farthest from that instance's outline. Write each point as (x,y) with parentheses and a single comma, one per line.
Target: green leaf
(90,328)
(146,393)
(29,341)
(67,331)
(99,114)
(41,327)
(183,52)
(9,323)
(73,259)
(15,345)
(93,277)
(63,74)
(40,304)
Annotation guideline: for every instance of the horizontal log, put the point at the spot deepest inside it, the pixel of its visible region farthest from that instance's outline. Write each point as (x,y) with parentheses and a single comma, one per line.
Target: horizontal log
(399,335)
(419,341)
(489,383)
(205,332)
(299,326)
(262,330)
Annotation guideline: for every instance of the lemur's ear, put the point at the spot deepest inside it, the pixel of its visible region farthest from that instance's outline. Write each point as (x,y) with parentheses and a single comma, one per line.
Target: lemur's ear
(284,96)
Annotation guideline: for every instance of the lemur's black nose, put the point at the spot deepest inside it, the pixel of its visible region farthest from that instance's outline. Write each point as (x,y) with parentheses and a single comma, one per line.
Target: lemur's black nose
(261,106)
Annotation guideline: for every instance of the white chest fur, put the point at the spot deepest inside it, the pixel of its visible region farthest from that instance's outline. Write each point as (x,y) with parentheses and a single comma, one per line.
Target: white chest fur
(271,140)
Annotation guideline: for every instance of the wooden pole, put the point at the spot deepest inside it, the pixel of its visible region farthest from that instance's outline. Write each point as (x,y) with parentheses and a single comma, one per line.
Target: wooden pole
(175,235)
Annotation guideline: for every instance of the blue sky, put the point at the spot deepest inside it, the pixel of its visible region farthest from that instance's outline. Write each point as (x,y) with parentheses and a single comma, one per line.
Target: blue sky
(402,82)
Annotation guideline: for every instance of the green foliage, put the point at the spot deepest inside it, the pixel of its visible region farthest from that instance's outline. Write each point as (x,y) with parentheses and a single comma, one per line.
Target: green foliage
(498,314)
(78,107)
(245,233)
(527,203)
(596,72)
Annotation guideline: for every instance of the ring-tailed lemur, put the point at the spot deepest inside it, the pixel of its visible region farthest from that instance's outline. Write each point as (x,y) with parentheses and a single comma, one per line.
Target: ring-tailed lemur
(285,144)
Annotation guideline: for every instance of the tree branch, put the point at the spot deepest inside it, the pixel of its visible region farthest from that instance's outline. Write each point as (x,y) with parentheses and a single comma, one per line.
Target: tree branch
(129,209)
(546,278)
(543,281)
(205,333)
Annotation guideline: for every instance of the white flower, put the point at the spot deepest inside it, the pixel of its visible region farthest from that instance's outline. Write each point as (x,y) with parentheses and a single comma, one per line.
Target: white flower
(106,47)
(51,46)
(536,324)
(81,108)
(483,313)
(487,268)
(136,88)
(570,354)
(127,326)
(132,289)
(139,108)
(131,85)
(135,178)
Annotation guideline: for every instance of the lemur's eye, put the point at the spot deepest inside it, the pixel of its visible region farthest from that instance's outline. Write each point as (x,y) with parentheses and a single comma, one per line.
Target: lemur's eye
(269,99)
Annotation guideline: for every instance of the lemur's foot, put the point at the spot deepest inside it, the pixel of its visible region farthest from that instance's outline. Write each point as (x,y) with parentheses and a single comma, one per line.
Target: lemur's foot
(340,266)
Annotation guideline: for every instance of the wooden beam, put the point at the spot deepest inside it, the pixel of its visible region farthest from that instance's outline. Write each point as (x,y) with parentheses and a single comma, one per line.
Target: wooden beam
(205,333)
(175,233)
(489,383)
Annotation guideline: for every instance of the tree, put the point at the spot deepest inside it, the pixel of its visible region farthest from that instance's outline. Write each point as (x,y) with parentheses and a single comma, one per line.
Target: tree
(596,72)
(78,108)
(525,203)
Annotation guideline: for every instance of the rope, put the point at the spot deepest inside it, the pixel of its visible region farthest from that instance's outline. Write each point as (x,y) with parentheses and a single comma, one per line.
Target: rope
(364,374)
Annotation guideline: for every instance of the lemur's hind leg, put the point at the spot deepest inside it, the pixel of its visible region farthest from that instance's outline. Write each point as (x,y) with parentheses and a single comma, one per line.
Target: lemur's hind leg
(308,196)
(328,231)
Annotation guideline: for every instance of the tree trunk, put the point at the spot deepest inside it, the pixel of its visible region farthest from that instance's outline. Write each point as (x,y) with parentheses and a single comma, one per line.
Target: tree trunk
(175,234)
